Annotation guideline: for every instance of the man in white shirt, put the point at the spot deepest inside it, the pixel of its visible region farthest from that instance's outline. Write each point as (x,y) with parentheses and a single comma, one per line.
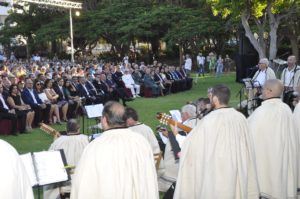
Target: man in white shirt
(263,74)
(290,77)
(200,63)
(129,83)
(188,65)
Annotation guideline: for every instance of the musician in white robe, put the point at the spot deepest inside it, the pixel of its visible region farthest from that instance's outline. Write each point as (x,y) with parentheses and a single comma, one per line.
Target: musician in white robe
(263,74)
(296,117)
(118,164)
(14,181)
(132,121)
(275,143)
(171,165)
(217,158)
(73,145)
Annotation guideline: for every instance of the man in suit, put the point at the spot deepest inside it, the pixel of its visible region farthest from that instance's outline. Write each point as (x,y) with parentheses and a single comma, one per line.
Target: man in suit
(85,91)
(30,96)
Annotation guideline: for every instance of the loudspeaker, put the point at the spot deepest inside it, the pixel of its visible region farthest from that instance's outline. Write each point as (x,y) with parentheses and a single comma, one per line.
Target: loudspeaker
(245,66)
(247,58)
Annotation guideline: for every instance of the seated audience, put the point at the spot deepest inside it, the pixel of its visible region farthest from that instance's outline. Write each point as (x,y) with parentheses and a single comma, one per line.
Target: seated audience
(15,102)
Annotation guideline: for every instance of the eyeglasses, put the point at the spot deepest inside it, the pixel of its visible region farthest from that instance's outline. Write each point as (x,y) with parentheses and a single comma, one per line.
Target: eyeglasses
(38,84)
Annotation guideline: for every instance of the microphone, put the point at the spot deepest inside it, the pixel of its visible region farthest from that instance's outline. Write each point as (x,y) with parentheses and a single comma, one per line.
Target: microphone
(254,67)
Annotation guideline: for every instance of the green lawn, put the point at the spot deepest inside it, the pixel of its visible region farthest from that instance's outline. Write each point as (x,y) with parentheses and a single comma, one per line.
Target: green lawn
(146,107)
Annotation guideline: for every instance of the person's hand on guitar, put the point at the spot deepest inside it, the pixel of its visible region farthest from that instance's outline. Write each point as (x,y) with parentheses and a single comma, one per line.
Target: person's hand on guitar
(174,129)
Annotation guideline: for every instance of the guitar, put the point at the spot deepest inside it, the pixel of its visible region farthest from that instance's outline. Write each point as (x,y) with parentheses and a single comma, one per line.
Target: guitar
(49,130)
(167,119)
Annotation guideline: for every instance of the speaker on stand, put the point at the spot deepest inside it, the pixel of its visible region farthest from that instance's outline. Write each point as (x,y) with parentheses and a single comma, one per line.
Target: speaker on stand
(247,58)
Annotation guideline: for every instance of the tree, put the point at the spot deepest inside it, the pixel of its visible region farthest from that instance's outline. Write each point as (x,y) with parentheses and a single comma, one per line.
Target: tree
(265,14)
(25,21)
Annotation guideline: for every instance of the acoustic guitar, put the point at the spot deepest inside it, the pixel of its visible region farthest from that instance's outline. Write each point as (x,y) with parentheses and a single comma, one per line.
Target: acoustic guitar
(49,130)
(167,120)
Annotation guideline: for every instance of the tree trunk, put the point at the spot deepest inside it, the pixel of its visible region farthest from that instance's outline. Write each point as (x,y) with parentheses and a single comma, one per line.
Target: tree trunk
(180,55)
(273,23)
(295,46)
(155,46)
(261,52)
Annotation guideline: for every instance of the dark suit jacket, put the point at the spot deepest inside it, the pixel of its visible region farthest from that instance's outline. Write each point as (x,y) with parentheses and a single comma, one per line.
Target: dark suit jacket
(61,94)
(158,78)
(100,87)
(82,91)
(27,98)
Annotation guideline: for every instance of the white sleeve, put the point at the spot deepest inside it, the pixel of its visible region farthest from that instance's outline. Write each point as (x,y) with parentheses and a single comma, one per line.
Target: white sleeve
(180,139)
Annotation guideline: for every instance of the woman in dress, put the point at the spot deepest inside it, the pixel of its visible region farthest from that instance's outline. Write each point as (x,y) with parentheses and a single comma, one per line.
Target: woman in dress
(15,102)
(52,97)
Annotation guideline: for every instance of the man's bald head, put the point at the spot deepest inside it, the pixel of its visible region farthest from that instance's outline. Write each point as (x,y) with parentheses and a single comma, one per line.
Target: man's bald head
(114,114)
(272,88)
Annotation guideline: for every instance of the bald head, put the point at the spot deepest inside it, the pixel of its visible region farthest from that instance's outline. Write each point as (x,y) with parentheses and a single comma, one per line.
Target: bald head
(113,115)
(272,88)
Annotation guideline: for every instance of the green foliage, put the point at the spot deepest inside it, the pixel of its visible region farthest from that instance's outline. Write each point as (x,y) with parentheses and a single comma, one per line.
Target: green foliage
(120,23)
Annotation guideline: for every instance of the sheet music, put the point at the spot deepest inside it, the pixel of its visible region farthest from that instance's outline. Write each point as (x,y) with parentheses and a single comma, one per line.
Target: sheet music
(163,138)
(94,111)
(50,167)
(45,167)
(29,167)
(247,82)
(176,115)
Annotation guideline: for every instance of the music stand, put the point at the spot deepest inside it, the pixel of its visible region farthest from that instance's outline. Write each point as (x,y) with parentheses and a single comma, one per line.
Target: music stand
(94,111)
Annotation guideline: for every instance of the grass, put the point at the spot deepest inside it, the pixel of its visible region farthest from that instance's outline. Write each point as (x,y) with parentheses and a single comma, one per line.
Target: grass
(146,107)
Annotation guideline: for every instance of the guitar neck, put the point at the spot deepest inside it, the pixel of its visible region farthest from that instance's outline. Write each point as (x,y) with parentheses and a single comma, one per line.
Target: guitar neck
(180,125)
(166,119)
(49,130)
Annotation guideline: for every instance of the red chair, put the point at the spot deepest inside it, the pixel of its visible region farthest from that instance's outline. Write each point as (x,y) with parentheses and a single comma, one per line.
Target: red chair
(5,127)
(147,92)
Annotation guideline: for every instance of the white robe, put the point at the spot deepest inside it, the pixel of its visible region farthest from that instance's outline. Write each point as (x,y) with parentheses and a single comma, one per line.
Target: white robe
(73,147)
(171,166)
(147,132)
(275,143)
(296,116)
(14,181)
(217,159)
(118,164)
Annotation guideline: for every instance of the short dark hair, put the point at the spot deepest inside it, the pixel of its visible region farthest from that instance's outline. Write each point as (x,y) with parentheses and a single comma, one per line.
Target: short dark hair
(72,125)
(222,92)
(114,113)
(131,113)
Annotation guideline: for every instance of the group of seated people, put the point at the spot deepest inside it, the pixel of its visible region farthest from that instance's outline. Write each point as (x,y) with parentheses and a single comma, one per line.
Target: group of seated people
(53,92)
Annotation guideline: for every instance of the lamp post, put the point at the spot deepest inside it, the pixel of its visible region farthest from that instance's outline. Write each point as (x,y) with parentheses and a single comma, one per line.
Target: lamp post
(63,4)
(71,37)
